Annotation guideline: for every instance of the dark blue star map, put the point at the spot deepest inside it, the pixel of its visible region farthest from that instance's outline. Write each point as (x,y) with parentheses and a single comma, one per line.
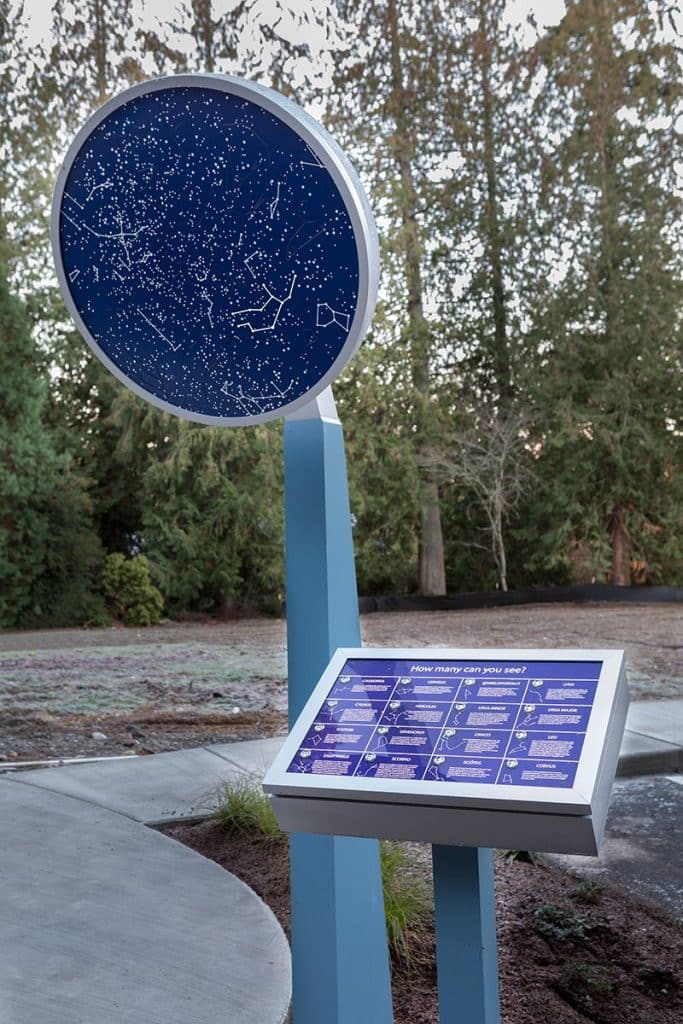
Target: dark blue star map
(208,252)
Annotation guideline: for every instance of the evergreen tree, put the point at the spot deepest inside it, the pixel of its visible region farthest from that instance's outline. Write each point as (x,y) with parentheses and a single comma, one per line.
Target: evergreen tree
(385,109)
(91,58)
(531,249)
(49,555)
(478,263)
(212,521)
(375,406)
(609,443)
(291,46)
(27,466)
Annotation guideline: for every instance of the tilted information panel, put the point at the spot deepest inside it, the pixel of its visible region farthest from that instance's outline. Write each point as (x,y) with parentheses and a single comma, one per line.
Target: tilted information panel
(509,748)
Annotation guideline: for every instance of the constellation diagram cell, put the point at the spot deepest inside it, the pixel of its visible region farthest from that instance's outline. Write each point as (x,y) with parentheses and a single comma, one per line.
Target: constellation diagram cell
(208,252)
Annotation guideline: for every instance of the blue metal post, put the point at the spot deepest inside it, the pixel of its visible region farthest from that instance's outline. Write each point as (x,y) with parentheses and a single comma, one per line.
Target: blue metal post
(465,922)
(340,962)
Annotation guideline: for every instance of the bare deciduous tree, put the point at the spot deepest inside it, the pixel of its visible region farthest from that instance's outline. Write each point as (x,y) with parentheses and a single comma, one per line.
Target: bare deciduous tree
(491,459)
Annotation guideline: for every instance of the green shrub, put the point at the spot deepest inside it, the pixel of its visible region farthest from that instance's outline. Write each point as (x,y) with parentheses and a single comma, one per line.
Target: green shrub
(73,605)
(129,591)
(560,923)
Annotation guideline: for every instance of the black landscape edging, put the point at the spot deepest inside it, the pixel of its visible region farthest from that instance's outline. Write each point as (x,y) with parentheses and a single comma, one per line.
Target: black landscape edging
(584,592)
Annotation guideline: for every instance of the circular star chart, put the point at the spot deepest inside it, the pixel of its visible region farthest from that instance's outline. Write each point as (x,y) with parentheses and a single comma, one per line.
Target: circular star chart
(215,248)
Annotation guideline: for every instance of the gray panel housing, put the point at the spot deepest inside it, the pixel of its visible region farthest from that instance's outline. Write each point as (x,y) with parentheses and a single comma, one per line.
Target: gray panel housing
(544,819)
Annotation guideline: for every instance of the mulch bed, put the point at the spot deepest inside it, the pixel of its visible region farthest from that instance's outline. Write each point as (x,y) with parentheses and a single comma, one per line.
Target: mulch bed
(570,952)
(26,735)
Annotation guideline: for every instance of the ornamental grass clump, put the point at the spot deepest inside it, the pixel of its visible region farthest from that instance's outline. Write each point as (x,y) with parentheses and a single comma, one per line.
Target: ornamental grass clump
(241,806)
(407,907)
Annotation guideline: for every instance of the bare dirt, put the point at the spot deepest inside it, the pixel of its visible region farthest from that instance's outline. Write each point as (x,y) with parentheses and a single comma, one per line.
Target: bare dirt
(78,692)
(570,951)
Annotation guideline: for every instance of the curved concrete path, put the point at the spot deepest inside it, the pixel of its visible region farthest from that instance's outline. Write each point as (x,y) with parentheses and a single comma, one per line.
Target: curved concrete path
(105,921)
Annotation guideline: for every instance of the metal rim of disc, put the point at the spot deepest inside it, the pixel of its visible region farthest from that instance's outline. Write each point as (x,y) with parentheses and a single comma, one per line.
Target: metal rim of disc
(335,163)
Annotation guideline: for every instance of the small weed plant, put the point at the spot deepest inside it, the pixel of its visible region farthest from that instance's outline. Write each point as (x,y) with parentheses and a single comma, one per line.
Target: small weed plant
(589,891)
(595,978)
(560,923)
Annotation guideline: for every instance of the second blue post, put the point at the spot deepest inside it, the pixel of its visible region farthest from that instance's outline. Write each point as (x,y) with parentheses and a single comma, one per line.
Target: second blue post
(465,924)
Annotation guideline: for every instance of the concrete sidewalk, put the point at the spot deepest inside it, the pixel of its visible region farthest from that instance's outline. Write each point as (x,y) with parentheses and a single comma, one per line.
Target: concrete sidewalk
(653,740)
(108,922)
(158,789)
(105,921)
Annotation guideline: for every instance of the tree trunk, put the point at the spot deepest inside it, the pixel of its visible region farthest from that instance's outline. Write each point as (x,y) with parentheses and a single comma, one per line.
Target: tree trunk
(494,245)
(204,30)
(432,572)
(608,263)
(621,550)
(499,543)
(100,52)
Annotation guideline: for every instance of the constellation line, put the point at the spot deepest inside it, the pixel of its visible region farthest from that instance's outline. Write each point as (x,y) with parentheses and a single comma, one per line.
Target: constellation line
(261,309)
(159,332)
